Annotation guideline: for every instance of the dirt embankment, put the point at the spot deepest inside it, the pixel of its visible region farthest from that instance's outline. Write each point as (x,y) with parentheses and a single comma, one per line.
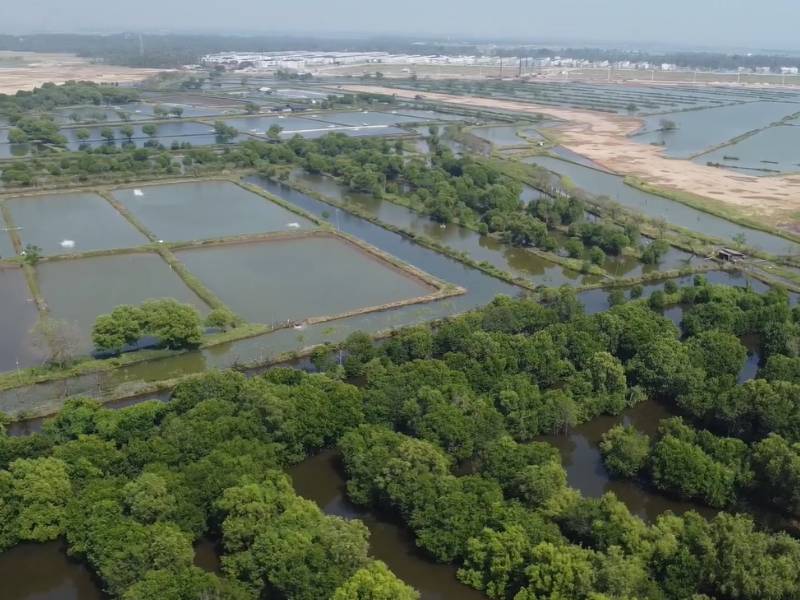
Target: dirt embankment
(27,70)
(603,138)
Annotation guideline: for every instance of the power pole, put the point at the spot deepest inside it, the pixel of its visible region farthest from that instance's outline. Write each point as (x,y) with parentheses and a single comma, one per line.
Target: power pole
(141,45)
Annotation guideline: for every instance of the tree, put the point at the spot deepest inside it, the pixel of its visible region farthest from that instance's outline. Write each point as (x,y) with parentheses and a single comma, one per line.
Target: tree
(32,254)
(176,325)
(41,489)
(17,136)
(667,125)
(375,582)
(176,111)
(148,498)
(717,352)
(224,132)
(625,450)
(114,331)
(222,318)
(558,573)
(150,129)
(127,131)
(274,132)
(83,134)
(251,108)
(59,341)
(107,134)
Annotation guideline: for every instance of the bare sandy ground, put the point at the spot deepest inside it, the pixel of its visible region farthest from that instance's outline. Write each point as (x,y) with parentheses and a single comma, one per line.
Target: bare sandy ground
(603,138)
(28,70)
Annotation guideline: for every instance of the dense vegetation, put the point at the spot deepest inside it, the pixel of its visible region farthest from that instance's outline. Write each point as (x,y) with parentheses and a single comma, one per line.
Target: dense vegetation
(439,432)
(72,93)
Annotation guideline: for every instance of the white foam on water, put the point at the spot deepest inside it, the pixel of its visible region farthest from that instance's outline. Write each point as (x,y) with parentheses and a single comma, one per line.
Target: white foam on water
(138,192)
(68,244)
(293,225)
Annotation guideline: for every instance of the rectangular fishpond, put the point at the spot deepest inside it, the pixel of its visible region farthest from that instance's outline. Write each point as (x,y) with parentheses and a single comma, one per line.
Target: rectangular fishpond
(280,280)
(206,210)
(72,223)
(79,290)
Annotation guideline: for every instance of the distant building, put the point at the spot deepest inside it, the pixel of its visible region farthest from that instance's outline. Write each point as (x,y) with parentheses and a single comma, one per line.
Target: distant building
(789,70)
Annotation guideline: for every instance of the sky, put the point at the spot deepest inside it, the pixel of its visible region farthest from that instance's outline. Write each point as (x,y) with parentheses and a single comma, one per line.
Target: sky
(737,24)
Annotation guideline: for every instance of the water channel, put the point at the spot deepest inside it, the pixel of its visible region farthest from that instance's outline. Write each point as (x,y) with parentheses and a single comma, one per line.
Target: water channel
(656,207)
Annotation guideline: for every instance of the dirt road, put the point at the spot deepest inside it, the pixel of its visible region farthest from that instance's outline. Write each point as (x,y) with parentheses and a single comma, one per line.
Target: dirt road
(603,138)
(27,70)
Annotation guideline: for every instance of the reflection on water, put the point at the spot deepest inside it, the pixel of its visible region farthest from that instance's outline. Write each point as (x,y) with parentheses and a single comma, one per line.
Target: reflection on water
(44,572)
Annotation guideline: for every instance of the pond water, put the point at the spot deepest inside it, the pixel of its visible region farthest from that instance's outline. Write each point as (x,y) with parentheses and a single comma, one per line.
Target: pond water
(581,457)
(45,572)
(613,186)
(364,118)
(171,129)
(428,115)
(18,314)
(567,154)
(90,114)
(205,210)
(320,478)
(13,150)
(698,130)
(86,220)
(79,290)
(281,280)
(770,150)
(501,136)
(520,262)
(146,110)
(313,127)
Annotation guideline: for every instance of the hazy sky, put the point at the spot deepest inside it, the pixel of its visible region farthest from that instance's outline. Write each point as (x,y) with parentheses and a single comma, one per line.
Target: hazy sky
(731,23)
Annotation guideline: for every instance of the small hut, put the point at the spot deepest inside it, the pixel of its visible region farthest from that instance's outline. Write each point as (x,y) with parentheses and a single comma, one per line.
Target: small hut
(729,255)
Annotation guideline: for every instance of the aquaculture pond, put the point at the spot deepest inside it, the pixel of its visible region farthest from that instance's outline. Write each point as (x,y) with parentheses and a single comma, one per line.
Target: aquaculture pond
(312,127)
(501,136)
(776,149)
(698,130)
(18,315)
(146,110)
(71,223)
(44,572)
(519,262)
(14,150)
(81,289)
(293,279)
(91,114)
(365,118)
(428,115)
(600,183)
(162,130)
(206,209)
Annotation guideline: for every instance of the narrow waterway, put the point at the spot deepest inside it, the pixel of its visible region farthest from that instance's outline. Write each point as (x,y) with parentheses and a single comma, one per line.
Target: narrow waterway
(321,479)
